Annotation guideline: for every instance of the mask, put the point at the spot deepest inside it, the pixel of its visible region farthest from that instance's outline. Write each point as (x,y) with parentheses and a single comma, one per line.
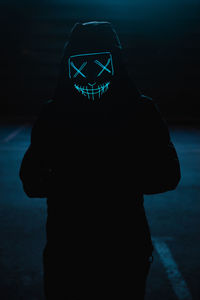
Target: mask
(91,73)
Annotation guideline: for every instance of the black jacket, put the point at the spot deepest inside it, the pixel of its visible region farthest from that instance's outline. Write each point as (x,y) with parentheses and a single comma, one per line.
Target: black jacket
(100,172)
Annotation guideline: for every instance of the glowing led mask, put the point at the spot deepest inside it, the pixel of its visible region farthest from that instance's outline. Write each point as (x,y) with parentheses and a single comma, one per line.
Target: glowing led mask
(91,73)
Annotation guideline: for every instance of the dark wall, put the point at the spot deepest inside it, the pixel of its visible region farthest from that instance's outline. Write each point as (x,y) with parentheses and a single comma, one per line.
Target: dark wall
(161,42)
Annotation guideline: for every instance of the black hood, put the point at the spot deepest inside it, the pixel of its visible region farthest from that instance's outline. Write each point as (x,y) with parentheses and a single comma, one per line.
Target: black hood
(95,37)
(92,37)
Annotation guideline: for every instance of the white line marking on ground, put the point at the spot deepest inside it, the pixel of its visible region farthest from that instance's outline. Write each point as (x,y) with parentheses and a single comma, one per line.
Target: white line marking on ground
(178,283)
(13,134)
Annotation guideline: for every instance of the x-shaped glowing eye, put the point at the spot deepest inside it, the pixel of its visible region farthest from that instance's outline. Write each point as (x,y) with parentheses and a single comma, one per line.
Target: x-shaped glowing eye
(78,71)
(103,67)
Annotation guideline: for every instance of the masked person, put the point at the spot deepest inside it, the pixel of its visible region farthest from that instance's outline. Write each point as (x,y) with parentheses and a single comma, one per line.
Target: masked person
(95,150)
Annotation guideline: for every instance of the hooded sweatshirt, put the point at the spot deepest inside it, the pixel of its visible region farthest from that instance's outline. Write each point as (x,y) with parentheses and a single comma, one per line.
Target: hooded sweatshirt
(94,160)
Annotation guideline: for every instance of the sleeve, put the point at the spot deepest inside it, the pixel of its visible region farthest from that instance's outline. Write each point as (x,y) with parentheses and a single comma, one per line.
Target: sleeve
(35,170)
(159,168)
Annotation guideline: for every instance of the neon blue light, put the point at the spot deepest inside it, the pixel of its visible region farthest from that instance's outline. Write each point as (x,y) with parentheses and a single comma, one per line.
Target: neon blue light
(87,54)
(94,89)
(103,67)
(84,54)
(79,70)
(100,90)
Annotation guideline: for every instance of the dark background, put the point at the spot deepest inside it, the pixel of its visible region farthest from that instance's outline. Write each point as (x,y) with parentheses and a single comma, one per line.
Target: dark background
(161,41)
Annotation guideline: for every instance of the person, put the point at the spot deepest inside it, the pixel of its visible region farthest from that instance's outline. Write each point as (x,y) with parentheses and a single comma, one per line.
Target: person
(97,147)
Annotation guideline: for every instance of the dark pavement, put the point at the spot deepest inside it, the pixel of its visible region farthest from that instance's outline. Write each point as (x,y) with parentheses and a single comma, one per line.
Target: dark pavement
(173,217)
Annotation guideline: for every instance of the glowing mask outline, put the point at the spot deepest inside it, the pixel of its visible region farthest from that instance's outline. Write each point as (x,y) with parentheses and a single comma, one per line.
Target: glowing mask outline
(79,72)
(103,67)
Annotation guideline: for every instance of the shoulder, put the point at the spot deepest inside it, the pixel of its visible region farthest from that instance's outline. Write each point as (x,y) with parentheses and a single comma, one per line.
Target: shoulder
(148,105)
(145,99)
(149,111)
(47,112)
(48,107)
(44,117)
(151,115)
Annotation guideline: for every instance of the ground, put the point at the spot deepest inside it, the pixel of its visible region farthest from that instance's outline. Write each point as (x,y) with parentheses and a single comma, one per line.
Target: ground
(173,218)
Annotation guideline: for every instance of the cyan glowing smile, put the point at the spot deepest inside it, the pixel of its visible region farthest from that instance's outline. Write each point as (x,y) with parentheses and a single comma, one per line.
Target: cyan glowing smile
(91,92)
